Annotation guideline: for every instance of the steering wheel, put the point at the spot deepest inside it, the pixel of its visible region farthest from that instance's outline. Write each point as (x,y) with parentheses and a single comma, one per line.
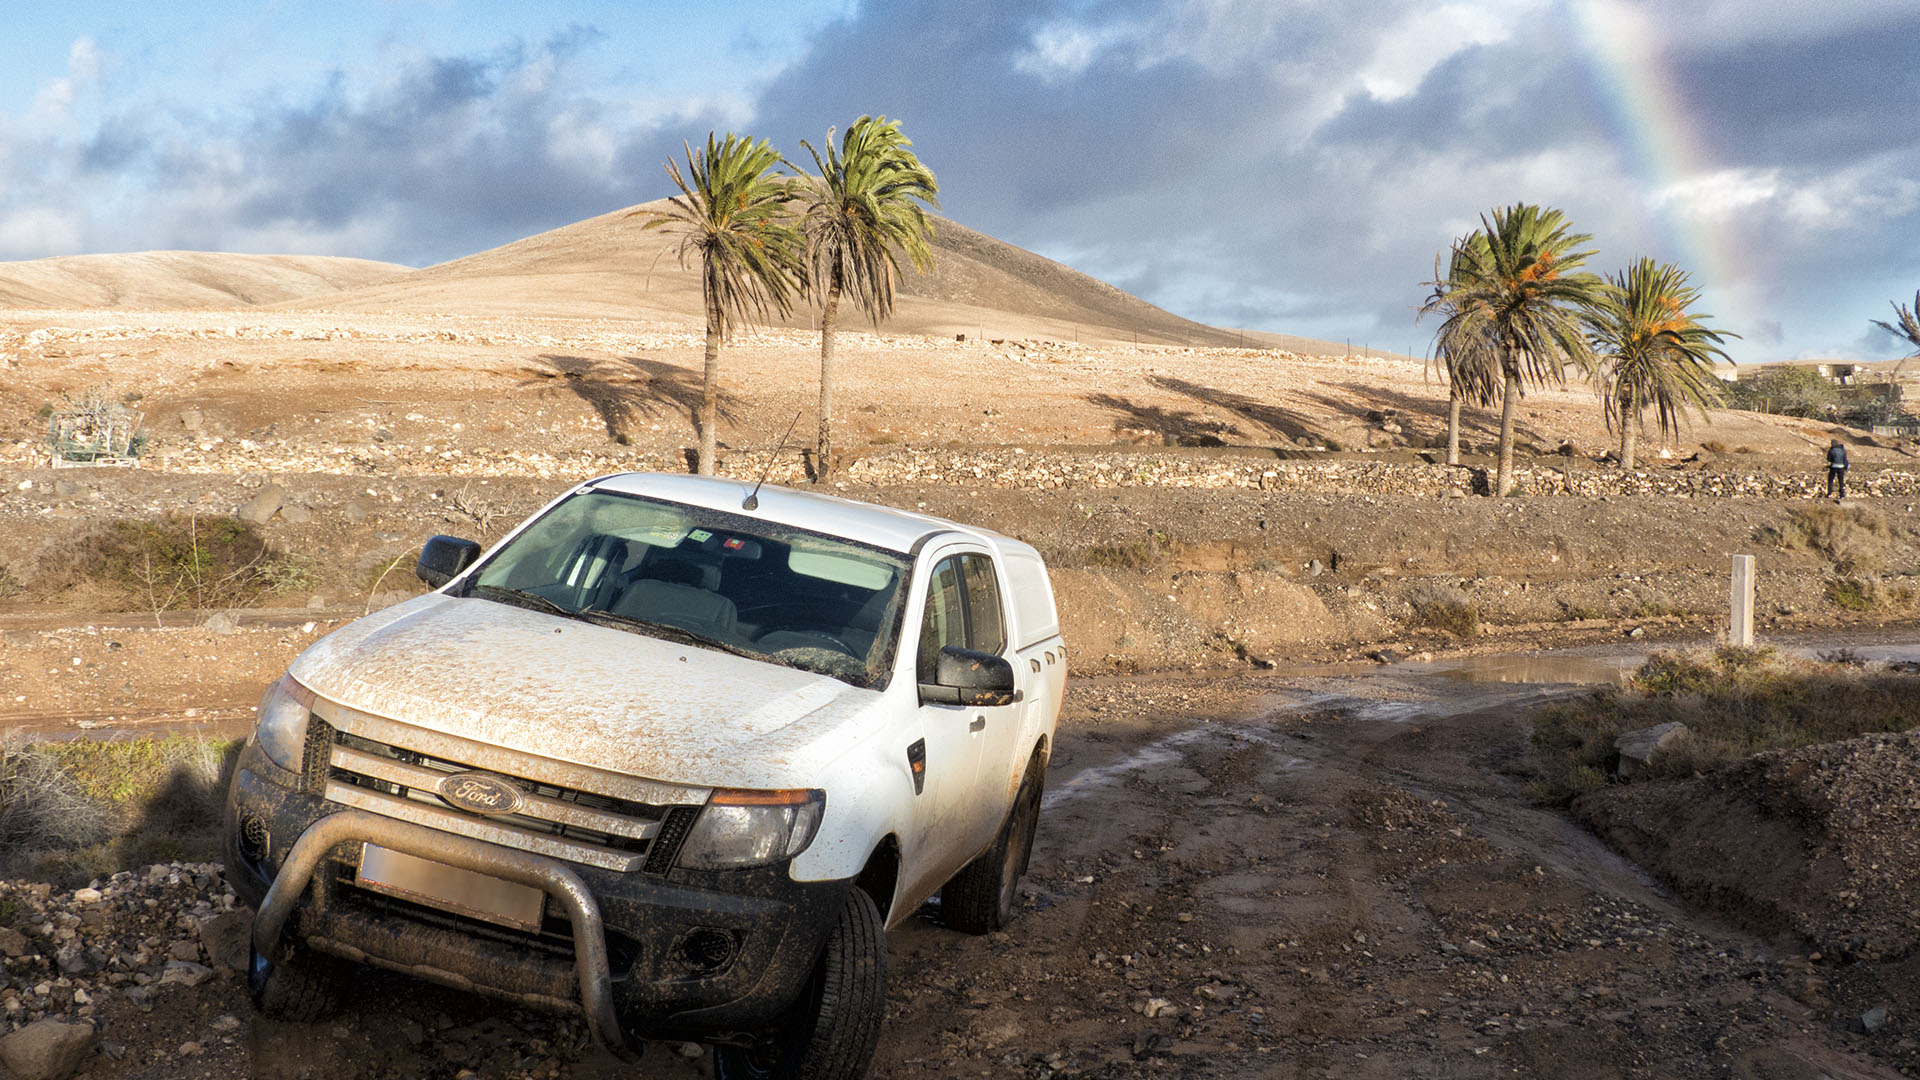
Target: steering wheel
(807,632)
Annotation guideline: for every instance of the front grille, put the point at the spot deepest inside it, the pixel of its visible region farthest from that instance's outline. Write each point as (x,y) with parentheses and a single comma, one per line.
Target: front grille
(556,818)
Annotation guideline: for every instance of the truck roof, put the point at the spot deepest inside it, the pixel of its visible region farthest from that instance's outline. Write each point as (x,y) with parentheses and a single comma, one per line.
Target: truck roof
(868,523)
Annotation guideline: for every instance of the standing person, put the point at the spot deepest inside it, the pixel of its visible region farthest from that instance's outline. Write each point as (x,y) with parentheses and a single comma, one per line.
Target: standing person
(1837,468)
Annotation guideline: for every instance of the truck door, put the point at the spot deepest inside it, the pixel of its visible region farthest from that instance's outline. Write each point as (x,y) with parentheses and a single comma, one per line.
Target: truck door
(961,806)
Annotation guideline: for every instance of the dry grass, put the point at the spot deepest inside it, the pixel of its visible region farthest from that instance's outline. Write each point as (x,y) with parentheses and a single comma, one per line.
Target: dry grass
(173,562)
(1735,702)
(1856,540)
(73,811)
(1443,607)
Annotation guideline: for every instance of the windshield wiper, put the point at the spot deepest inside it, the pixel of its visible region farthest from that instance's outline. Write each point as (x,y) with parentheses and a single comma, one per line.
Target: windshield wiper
(522,598)
(663,630)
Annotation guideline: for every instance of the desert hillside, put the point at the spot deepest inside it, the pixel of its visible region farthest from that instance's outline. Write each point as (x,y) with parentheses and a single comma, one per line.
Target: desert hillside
(180,279)
(612,266)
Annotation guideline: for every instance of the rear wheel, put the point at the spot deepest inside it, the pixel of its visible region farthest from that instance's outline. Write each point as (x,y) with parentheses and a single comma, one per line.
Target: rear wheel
(302,988)
(982,897)
(833,1028)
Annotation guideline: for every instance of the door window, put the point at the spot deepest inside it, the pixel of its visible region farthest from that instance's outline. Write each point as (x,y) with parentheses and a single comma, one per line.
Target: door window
(963,609)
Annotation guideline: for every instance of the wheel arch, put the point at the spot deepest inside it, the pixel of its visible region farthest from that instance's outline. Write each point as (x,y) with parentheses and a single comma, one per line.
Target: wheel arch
(880,877)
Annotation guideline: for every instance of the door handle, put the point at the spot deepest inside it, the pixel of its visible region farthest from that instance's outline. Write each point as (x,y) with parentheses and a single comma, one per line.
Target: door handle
(979,723)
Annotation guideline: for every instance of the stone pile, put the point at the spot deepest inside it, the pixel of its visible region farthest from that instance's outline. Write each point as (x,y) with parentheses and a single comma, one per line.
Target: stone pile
(138,934)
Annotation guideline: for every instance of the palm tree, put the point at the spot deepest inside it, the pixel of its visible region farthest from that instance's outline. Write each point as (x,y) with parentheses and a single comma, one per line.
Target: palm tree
(1655,351)
(865,204)
(1906,326)
(731,216)
(1468,381)
(1516,308)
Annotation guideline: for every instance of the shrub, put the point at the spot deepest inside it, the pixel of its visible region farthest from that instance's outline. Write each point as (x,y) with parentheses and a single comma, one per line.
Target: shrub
(1856,540)
(183,561)
(88,808)
(1734,701)
(1443,607)
(41,803)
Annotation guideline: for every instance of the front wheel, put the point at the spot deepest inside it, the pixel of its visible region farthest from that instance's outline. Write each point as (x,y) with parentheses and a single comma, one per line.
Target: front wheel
(981,897)
(303,988)
(833,1028)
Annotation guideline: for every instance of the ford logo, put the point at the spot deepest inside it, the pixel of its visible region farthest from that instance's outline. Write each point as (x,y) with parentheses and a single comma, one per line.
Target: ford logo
(481,794)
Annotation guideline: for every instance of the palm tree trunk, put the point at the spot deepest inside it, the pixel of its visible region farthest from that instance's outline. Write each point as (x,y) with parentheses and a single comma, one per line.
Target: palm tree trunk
(823,445)
(1509,394)
(710,395)
(1629,417)
(1453,425)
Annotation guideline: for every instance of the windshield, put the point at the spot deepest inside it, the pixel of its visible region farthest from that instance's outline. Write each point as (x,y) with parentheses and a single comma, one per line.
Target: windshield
(727,581)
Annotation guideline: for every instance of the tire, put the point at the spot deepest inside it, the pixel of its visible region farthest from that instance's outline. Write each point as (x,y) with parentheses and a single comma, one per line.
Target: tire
(833,1028)
(983,896)
(302,989)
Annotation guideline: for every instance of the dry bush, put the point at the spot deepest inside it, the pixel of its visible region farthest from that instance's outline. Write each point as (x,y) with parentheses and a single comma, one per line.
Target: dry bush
(90,808)
(41,803)
(1443,607)
(1855,539)
(1735,702)
(176,561)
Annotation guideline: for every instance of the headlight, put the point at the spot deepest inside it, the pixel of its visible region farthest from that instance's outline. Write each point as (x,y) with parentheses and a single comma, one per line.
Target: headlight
(739,828)
(282,729)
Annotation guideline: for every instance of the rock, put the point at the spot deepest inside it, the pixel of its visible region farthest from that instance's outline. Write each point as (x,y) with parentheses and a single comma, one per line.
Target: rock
(66,489)
(1637,748)
(295,514)
(316,602)
(225,938)
(13,943)
(221,622)
(265,503)
(1637,633)
(193,421)
(87,896)
(1315,568)
(186,951)
(47,1049)
(182,973)
(1873,1019)
(354,513)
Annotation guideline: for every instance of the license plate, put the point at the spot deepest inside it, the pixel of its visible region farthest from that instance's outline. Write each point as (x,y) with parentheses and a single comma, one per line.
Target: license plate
(450,888)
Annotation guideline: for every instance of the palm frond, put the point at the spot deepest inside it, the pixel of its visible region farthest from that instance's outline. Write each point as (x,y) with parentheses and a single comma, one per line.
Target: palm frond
(869,200)
(1907,326)
(1656,351)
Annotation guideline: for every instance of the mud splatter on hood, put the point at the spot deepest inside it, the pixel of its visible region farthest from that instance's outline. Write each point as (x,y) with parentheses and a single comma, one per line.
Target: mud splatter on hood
(587,694)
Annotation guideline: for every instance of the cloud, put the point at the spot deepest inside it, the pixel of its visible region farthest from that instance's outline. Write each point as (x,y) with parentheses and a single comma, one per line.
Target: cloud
(440,157)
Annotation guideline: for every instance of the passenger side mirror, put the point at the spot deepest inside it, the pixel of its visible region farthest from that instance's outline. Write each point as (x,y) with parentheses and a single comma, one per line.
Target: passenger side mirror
(966,677)
(443,558)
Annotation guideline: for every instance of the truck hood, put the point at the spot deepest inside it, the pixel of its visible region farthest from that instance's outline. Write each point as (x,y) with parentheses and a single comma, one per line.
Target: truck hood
(592,695)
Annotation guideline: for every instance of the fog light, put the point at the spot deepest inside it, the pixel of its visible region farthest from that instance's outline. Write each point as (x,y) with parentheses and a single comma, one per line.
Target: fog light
(255,838)
(707,950)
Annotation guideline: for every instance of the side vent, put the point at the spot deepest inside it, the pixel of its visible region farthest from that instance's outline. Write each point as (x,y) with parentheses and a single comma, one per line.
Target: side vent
(673,832)
(315,766)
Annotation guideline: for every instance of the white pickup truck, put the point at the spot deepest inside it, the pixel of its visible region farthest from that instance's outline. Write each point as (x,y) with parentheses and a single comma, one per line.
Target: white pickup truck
(673,755)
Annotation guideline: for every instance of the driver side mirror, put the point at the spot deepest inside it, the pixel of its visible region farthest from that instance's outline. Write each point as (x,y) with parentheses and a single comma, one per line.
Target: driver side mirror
(968,677)
(443,558)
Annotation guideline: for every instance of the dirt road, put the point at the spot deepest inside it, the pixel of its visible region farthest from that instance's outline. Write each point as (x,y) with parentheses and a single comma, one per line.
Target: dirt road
(1326,875)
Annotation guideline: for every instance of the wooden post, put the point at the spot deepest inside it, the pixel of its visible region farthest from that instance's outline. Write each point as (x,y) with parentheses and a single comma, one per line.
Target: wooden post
(1740,626)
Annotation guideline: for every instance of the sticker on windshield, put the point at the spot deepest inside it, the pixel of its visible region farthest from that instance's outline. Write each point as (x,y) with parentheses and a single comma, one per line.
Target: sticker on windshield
(699,536)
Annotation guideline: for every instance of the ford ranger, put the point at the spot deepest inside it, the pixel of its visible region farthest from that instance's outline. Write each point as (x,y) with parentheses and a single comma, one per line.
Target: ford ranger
(672,756)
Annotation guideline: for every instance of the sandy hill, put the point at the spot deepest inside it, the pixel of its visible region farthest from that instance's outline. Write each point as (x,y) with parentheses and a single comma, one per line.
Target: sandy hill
(180,279)
(611,266)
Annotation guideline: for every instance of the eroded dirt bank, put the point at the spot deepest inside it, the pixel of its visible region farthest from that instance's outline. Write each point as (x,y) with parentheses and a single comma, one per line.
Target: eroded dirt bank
(1252,876)
(1149,579)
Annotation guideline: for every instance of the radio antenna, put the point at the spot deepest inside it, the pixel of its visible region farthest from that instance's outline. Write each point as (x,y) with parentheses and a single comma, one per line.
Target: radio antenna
(752,501)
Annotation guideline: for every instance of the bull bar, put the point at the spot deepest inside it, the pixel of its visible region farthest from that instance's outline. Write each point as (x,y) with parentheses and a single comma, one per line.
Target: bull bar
(541,872)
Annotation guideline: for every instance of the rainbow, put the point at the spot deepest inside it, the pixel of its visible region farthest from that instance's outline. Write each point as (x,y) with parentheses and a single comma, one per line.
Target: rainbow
(1647,109)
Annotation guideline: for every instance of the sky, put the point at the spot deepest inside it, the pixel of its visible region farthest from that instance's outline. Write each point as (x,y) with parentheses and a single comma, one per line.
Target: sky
(1286,165)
